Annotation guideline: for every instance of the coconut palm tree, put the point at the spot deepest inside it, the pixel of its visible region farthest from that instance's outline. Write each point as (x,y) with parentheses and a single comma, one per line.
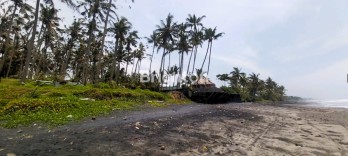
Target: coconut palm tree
(75,33)
(140,55)
(30,45)
(119,30)
(110,12)
(17,5)
(255,85)
(196,36)
(166,31)
(153,39)
(210,36)
(49,30)
(183,46)
(236,79)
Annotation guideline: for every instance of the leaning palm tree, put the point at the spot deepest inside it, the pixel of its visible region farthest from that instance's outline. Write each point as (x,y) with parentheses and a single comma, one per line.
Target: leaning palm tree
(110,12)
(75,33)
(140,55)
(153,39)
(49,30)
(210,35)
(120,30)
(30,45)
(17,5)
(166,32)
(183,46)
(6,24)
(196,36)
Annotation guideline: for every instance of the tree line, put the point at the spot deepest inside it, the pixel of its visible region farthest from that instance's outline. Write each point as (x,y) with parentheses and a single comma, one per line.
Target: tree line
(251,87)
(98,46)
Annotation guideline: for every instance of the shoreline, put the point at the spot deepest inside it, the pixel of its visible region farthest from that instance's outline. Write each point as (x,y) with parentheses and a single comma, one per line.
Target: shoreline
(196,129)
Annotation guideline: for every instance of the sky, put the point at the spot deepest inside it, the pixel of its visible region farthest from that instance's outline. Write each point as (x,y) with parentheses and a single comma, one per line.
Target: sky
(301,44)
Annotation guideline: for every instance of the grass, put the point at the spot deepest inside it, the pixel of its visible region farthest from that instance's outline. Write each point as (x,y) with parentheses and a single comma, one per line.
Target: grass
(23,105)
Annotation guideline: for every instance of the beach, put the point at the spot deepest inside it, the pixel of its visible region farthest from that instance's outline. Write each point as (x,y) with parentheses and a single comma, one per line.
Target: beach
(196,129)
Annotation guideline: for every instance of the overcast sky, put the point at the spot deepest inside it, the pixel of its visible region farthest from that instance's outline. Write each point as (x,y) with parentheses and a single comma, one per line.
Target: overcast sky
(301,44)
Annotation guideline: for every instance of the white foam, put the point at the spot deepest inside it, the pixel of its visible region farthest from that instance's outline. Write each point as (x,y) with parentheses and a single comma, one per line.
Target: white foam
(336,103)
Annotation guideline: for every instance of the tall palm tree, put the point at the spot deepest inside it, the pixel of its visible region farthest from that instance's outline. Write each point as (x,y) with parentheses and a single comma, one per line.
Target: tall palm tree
(166,32)
(131,41)
(30,45)
(140,52)
(120,30)
(210,36)
(183,46)
(110,11)
(75,34)
(50,22)
(153,39)
(196,36)
(12,24)
(17,5)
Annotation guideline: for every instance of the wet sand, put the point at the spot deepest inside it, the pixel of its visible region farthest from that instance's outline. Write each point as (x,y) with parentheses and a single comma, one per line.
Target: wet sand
(229,129)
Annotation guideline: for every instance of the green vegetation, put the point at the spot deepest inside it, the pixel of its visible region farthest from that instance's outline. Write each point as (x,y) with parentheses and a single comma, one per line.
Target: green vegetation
(37,44)
(252,88)
(22,105)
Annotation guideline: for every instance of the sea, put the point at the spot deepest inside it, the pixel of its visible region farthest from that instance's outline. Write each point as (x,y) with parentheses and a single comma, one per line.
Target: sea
(333,103)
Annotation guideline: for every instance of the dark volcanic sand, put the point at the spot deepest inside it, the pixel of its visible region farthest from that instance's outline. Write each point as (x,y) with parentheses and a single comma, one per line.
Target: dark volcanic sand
(231,129)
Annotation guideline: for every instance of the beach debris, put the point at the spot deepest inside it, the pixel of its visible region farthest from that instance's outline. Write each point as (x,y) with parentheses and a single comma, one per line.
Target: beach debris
(10,154)
(137,125)
(125,118)
(94,118)
(205,149)
(87,99)
(298,145)
(156,124)
(19,131)
(163,148)
(69,116)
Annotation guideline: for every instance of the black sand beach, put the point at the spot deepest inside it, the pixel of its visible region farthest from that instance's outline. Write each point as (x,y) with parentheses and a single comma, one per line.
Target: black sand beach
(229,129)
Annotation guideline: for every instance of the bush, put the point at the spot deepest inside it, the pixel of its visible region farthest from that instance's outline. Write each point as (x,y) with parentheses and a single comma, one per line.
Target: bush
(33,105)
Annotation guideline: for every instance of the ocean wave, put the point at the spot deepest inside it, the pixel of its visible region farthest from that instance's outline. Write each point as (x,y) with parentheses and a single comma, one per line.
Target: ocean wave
(336,103)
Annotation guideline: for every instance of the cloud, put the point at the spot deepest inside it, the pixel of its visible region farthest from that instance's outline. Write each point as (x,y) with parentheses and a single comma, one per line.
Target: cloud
(329,82)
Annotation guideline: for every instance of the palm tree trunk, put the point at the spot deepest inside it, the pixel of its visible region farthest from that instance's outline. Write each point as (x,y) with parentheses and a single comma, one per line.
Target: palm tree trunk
(30,45)
(189,63)
(205,56)
(99,65)
(4,56)
(133,63)
(194,59)
(139,66)
(15,43)
(153,51)
(127,64)
(113,66)
(162,64)
(169,61)
(211,45)
(89,43)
